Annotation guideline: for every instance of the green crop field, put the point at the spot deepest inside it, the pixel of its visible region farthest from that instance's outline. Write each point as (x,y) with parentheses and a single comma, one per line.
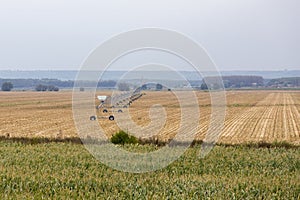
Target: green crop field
(67,170)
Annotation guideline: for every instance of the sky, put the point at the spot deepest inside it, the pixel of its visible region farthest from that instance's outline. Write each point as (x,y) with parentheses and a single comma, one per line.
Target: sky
(237,34)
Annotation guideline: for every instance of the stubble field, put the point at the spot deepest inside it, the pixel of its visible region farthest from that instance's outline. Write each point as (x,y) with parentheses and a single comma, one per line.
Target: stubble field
(251,116)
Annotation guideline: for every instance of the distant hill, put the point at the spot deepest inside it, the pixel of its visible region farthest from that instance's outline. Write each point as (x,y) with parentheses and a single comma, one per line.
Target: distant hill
(115,75)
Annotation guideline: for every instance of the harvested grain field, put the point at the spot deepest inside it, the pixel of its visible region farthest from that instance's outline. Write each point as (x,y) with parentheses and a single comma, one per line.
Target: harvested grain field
(251,116)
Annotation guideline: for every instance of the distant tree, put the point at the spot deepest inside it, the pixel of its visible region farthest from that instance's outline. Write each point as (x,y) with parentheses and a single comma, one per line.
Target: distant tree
(159,86)
(144,87)
(204,86)
(7,86)
(56,89)
(41,87)
(53,88)
(123,87)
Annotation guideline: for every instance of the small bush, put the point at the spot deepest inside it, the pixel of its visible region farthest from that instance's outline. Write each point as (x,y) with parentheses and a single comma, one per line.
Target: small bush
(123,138)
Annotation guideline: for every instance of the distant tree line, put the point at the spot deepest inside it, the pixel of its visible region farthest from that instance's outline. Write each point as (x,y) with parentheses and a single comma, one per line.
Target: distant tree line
(32,83)
(38,83)
(123,86)
(232,82)
(284,82)
(107,84)
(42,88)
(204,84)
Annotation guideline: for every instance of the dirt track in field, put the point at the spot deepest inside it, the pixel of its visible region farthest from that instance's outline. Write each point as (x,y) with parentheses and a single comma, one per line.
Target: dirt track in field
(251,116)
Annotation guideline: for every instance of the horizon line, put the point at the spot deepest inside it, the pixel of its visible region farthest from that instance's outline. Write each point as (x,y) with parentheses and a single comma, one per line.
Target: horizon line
(122,70)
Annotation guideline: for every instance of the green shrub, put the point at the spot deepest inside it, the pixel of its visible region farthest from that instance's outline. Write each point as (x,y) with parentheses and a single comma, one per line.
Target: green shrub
(123,138)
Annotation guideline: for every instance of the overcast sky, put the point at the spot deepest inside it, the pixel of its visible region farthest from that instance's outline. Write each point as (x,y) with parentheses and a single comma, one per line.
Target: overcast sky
(237,34)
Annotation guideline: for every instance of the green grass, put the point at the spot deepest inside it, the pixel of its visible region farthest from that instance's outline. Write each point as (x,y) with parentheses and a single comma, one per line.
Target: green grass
(67,170)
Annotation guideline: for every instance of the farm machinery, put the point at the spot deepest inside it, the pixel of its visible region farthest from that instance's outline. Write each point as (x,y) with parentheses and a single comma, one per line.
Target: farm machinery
(108,105)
